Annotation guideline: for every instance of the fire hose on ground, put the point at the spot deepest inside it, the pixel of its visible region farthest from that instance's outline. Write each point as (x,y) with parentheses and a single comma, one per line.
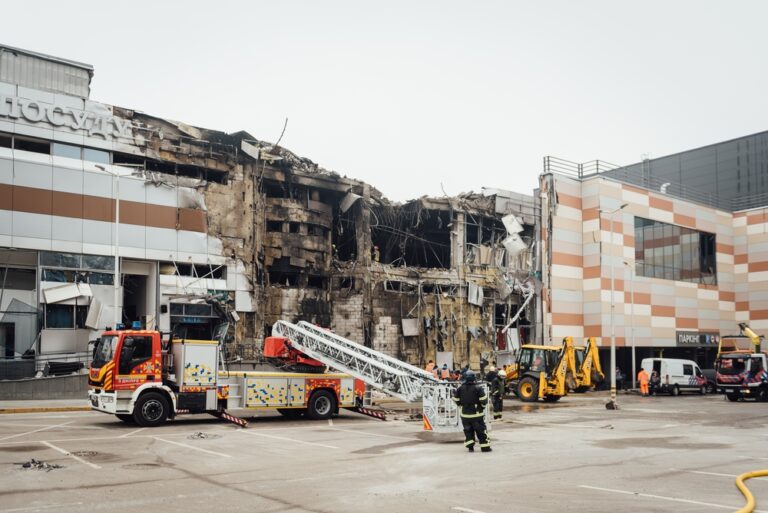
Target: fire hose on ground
(750,505)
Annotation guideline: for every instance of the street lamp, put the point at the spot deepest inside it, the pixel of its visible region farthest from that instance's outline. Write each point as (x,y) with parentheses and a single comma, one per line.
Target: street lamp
(612,404)
(116,281)
(631,269)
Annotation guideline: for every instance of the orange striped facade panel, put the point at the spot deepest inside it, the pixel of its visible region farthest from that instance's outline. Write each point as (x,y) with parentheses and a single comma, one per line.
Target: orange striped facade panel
(740,259)
(568,200)
(567,259)
(662,311)
(727,296)
(618,285)
(591,272)
(567,319)
(757,218)
(724,248)
(758,314)
(683,220)
(757,266)
(659,203)
(640,298)
(95,208)
(686,323)
(742,306)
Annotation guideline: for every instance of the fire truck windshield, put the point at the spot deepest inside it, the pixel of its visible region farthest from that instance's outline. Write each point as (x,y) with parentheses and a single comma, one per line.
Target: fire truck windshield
(104,350)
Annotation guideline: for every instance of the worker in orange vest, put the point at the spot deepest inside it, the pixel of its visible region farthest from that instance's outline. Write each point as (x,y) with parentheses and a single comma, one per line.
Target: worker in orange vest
(430,366)
(444,372)
(643,378)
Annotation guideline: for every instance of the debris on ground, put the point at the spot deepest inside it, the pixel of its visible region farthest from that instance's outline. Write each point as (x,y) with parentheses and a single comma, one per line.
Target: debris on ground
(199,435)
(39,465)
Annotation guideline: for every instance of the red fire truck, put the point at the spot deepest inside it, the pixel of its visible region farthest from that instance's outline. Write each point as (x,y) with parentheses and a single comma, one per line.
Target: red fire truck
(147,377)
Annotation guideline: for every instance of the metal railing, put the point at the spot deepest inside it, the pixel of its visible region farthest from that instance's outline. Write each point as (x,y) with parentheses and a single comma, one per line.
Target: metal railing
(623,174)
(747,202)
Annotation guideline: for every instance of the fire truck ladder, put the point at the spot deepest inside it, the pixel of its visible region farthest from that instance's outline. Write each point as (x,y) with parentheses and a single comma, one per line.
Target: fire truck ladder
(390,375)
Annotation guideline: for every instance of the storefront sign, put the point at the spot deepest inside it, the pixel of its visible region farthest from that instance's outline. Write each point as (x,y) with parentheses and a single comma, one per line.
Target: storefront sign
(61,116)
(696,338)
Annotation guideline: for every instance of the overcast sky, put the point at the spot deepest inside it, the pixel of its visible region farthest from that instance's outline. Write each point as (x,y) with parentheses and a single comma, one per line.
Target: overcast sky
(407,95)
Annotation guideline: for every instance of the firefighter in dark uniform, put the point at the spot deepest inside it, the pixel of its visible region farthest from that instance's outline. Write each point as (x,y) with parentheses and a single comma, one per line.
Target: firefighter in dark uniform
(472,400)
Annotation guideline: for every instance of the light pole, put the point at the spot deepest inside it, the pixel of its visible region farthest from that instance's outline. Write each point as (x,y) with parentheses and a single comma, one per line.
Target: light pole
(631,268)
(612,404)
(116,281)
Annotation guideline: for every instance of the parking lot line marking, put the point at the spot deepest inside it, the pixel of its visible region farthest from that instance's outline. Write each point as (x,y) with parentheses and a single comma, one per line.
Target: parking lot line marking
(132,433)
(35,508)
(67,453)
(287,439)
(373,434)
(716,474)
(192,447)
(664,498)
(36,430)
(752,458)
(466,510)
(330,422)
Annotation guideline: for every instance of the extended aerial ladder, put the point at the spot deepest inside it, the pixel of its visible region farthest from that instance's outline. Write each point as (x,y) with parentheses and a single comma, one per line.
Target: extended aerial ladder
(381,371)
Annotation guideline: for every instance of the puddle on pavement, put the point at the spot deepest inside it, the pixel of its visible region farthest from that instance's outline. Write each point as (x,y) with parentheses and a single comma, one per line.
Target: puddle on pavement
(671,442)
(380,449)
(22,448)
(139,466)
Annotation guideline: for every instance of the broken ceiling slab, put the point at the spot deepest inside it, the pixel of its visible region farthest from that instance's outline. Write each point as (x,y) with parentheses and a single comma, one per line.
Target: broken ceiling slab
(66,292)
(410,327)
(348,201)
(514,245)
(250,149)
(511,224)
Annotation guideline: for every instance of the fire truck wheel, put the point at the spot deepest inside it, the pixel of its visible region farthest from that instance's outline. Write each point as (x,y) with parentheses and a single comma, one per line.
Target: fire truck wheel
(151,410)
(528,390)
(124,417)
(321,405)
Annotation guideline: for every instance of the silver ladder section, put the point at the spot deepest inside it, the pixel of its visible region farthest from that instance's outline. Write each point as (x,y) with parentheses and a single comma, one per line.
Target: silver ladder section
(390,375)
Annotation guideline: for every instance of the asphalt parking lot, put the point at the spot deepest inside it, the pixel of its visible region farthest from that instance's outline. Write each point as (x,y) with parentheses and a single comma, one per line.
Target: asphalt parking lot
(655,454)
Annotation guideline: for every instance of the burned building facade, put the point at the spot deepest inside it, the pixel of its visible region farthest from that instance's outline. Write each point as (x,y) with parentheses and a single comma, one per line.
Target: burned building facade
(112,216)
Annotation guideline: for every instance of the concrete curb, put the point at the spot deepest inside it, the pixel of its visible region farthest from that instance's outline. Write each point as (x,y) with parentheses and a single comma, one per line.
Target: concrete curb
(43,409)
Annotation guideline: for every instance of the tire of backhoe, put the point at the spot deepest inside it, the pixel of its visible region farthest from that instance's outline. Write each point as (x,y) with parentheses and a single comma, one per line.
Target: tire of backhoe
(291,413)
(125,417)
(321,405)
(551,398)
(581,390)
(151,410)
(528,384)
(733,397)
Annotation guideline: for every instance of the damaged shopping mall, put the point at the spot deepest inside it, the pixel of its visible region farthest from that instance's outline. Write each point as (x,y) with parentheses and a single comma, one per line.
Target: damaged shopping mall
(112,216)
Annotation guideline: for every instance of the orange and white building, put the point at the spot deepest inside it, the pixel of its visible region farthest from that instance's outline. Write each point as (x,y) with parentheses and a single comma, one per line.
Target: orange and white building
(687,265)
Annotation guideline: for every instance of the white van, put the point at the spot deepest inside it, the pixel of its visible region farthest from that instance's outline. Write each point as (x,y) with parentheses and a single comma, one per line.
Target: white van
(676,375)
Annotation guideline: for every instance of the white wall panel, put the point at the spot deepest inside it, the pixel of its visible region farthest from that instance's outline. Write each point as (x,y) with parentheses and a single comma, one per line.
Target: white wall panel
(6,170)
(67,228)
(67,180)
(97,184)
(31,174)
(97,232)
(31,225)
